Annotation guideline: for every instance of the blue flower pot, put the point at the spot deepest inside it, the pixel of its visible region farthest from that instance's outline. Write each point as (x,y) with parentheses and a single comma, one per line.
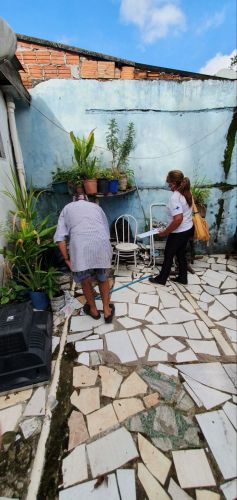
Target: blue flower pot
(113,186)
(60,187)
(40,300)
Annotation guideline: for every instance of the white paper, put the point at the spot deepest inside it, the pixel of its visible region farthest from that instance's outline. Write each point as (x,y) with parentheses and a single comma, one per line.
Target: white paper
(148,233)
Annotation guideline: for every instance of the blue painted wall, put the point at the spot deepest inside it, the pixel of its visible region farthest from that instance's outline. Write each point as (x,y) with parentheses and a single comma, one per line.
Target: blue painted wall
(179,125)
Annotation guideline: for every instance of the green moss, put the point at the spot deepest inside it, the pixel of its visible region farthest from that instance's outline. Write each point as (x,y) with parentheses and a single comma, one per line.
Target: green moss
(230,142)
(219,216)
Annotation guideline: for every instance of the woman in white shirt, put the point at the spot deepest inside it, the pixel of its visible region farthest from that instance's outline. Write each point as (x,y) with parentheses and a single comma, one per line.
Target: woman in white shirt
(179,228)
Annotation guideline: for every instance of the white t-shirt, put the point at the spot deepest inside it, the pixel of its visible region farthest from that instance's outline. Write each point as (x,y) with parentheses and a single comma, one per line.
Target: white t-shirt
(178,205)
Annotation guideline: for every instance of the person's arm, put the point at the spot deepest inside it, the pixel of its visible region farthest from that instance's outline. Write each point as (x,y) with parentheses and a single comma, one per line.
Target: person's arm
(177,219)
(63,249)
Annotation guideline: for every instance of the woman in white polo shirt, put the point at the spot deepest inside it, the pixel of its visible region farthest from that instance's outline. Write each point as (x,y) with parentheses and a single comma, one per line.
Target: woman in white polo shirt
(179,228)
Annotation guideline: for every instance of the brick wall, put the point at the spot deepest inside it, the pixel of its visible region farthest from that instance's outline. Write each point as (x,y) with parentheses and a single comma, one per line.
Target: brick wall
(44,62)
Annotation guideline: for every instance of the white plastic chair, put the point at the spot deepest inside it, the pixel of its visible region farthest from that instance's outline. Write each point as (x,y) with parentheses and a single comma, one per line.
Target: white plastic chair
(125,247)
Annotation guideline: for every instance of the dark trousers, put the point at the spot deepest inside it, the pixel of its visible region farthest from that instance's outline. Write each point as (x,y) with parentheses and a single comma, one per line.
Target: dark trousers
(176,245)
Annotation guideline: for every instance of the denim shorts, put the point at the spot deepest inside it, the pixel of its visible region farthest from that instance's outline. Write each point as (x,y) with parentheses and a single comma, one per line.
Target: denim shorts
(99,274)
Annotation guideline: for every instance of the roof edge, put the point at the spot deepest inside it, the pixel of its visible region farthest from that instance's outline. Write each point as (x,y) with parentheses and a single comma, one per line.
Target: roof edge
(98,55)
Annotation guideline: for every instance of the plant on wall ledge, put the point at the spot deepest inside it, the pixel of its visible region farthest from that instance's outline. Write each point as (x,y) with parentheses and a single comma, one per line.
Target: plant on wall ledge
(87,166)
(200,195)
(120,149)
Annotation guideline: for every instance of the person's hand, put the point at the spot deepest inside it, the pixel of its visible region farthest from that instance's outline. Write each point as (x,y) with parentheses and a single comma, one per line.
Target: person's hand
(161,234)
(68,262)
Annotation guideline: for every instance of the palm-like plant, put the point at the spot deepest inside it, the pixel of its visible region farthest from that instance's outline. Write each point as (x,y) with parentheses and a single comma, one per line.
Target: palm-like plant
(82,147)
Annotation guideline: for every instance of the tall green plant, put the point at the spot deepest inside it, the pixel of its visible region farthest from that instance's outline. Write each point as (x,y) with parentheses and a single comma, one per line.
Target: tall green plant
(120,149)
(24,201)
(82,147)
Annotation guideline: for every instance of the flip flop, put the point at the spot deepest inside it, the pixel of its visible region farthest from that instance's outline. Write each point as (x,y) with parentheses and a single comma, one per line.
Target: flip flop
(109,318)
(86,309)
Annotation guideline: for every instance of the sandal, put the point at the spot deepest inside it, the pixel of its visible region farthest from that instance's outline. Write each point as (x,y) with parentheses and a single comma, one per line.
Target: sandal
(109,318)
(87,310)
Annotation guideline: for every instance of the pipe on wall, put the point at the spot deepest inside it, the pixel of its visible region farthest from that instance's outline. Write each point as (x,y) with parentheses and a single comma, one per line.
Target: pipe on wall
(16,144)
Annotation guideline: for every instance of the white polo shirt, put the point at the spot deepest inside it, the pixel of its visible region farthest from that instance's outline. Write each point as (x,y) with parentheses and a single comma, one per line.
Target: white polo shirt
(178,205)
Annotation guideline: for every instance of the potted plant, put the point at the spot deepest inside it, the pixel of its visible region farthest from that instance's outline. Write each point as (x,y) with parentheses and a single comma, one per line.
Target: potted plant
(103,181)
(75,183)
(12,292)
(42,285)
(60,180)
(120,150)
(87,166)
(200,196)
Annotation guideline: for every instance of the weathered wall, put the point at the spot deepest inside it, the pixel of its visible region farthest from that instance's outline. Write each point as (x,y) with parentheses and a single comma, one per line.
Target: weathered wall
(178,125)
(5,173)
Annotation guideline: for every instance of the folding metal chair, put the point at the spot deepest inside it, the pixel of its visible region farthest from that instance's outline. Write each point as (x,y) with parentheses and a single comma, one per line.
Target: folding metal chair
(126,246)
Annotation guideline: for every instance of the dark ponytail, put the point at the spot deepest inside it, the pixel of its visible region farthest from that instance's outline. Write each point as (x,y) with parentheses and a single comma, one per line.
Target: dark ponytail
(182,184)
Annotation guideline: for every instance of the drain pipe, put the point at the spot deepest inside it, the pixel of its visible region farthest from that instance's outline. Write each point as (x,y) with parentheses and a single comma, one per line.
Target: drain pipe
(16,144)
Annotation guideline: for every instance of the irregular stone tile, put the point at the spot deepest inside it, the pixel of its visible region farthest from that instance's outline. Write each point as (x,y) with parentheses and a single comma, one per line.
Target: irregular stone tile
(192,330)
(208,396)
(87,491)
(132,386)
(218,267)
(171,345)
(30,427)
(168,330)
(167,370)
(191,300)
(177,315)
(77,430)
(155,317)
(151,400)
(84,323)
(184,356)
(143,288)
(126,483)
(215,424)
(125,408)
(228,300)
(101,420)
(84,359)
(211,290)
(36,405)
(231,370)
(155,461)
(192,394)
(187,306)
(165,420)
(210,374)
(207,495)
(168,300)
(176,492)
(206,297)
(231,413)
(205,318)
(213,278)
(110,380)
(202,305)
(228,283)
(157,355)
(152,488)
(9,418)
(206,333)
(232,334)
(139,342)
(102,329)
(225,347)
(228,323)
(83,376)
(87,401)
(74,466)
(204,347)
(120,344)
(125,295)
(111,452)
(121,309)
(93,337)
(95,358)
(137,311)
(159,382)
(217,311)
(78,336)
(148,300)
(89,345)
(15,398)
(194,289)
(184,402)
(193,469)
(128,322)
(229,489)
(151,338)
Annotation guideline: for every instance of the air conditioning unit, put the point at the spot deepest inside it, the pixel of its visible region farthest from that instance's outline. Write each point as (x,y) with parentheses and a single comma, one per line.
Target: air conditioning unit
(25,346)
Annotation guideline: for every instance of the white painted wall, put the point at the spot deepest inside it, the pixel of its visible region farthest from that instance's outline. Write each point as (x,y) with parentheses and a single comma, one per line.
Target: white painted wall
(5,173)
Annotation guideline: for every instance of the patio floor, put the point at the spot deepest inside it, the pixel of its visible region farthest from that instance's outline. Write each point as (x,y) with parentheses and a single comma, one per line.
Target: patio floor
(141,408)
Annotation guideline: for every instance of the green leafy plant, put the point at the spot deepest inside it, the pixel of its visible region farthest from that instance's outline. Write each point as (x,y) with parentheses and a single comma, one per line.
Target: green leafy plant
(39,280)
(200,194)
(120,148)
(61,175)
(82,147)
(25,200)
(11,292)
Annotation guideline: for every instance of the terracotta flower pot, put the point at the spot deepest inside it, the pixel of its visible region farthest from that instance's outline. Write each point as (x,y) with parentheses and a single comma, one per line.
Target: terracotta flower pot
(90,186)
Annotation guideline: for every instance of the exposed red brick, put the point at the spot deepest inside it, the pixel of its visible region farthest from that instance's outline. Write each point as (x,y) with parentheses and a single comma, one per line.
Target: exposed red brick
(28,57)
(19,56)
(50,71)
(72,58)
(106,69)
(57,57)
(127,73)
(35,71)
(64,72)
(42,56)
(117,73)
(139,75)
(89,69)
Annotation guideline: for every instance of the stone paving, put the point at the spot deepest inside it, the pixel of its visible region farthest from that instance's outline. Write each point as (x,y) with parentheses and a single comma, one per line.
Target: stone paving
(149,402)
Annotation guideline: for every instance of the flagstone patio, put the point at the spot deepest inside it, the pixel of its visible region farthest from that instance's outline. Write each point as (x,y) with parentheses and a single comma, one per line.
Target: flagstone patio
(145,407)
